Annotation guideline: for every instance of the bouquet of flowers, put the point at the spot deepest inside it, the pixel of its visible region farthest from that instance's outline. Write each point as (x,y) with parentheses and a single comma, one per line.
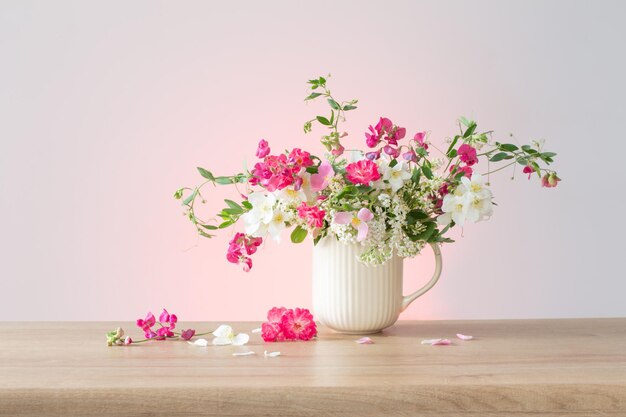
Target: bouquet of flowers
(392,198)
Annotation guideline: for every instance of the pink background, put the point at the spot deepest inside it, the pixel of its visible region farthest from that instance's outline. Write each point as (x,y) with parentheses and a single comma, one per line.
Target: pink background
(106,108)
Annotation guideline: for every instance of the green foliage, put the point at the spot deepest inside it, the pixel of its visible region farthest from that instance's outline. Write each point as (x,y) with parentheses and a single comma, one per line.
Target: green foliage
(298,234)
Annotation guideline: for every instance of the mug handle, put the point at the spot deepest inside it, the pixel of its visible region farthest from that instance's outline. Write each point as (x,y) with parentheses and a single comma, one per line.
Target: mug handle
(407,300)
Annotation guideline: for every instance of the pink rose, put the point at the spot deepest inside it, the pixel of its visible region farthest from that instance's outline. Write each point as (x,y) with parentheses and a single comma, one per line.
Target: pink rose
(362,172)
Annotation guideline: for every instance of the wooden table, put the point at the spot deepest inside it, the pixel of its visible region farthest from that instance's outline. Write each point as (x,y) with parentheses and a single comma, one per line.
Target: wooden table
(512,368)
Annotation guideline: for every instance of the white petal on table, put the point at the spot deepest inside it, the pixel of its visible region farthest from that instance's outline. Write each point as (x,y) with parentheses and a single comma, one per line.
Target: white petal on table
(436,342)
(244,353)
(464,336)
(271,354)
(222,341)
(240,339)
(257,330)
(223,330)
(365,341)
(200,342)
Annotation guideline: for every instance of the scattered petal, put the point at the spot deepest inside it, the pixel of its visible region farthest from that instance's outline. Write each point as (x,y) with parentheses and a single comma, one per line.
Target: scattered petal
(257,330)
(271,354)
(240,339)
(222,341)
(365,341)
(436,342)
(244,353)
(200,342)
(464,336)
(223,330)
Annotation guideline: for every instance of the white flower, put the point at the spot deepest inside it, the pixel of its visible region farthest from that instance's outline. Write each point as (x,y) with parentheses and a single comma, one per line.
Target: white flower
(224,335)
(396,175)
(291,196)
(257,219)
(384,199)
(476,186)
(470,201)
(277,223)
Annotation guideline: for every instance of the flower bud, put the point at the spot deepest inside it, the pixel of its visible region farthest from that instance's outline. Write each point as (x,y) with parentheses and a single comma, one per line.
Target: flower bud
(550,180)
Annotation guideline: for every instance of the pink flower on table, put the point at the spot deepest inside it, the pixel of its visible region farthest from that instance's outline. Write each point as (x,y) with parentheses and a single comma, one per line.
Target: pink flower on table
(313,215)
(467,154)
(272,332)
(163,333)
(128,340)
(359,222)
(550,180)
(167,319)
(146,325)
(325,173)
(263,149)
(275,315)
(299,324)
(187,334)
(362,172)
(528,170)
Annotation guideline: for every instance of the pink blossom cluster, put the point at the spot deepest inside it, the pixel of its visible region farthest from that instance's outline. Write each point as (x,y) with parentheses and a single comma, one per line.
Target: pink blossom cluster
(276,172)
(239,249)
(467,155)
(388,134)
(312,215)
(287,324)
(167,323)
(362,172)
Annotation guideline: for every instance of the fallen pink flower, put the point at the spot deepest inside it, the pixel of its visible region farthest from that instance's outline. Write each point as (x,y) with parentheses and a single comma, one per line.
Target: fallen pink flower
(365,341)
(187,334)
(464,336)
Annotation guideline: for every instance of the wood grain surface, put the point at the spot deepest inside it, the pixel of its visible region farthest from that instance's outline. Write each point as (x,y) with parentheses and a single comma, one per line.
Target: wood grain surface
(512,368)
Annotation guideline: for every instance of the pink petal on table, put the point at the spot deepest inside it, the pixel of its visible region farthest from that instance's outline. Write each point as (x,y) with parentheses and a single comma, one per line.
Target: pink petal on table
(365,341)
(464,336)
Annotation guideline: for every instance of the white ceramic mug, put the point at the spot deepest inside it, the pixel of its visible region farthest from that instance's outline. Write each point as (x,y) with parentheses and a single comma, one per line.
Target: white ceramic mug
(351,297)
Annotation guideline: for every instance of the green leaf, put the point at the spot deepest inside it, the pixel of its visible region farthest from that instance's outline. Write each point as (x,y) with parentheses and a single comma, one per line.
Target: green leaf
(428,173)
(226,224)
(179,194)
(191,197)
(454,141)
(206,174)
(470,130)
(322,81)
(522,161)
(312,96)
(312,169)
(500,156)
(247,204)
(323,120)
(548,155)
(232,204)
(208,226)
(452,153)
(348,107)
(509,147)
(298,234)
(231,211)
(333,104)
(393,163)
(223,180)
(415,177)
